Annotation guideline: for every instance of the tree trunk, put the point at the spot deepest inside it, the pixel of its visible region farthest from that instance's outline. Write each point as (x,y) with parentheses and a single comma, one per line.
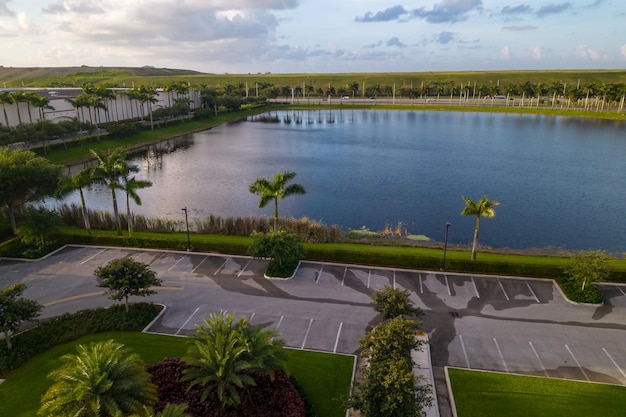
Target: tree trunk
(275,214)
(11,212)
(475,241)
(7,337)
(116,213)
(126,303)
(85,213)
(129,220)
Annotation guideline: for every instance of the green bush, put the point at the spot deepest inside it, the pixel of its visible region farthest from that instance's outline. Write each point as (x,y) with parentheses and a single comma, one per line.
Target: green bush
(572,290)
(68,327)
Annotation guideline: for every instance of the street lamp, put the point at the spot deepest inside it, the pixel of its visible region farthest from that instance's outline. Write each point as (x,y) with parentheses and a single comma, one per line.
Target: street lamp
(445,246)
(187,223)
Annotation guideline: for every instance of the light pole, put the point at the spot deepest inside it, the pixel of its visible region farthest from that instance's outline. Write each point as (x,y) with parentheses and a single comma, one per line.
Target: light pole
(445,246)
(188,237)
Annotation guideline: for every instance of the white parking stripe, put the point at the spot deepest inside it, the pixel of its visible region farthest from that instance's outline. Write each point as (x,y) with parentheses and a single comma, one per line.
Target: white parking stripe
(394,279)
(543,368)
(369,275)
(252,316)
(464,352)
(318,274)
(506,368)
(159,257)
(504,292)
(306,336)
(279,322)
(91,257)
(532,292)
(345,270)
(419,276)
(187,321)
(614,363)
(577,363)
(176,263)
(221,266)
(244,268)
(475,288)
(447,284)
(337,338)
(198,266)
(72,254)
(620,289)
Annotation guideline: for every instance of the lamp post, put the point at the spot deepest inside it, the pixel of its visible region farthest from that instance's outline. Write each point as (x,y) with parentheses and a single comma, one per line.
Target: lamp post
(187,224)
(445,246)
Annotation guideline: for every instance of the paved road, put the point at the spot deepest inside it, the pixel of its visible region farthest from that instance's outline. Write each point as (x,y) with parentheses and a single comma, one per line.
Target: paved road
(479,322)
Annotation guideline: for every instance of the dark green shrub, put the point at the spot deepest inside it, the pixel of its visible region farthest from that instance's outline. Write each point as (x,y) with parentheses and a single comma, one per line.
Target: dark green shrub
(572,290)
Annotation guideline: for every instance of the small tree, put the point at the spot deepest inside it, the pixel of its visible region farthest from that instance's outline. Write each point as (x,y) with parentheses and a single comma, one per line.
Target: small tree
(587,267)
(38,226)
(125,277)
(393,302)
(275,190)
(283,248)
(14,310)
(481,208)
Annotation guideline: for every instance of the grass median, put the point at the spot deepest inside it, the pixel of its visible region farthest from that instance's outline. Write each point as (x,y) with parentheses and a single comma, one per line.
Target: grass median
(324,377)
(489,394)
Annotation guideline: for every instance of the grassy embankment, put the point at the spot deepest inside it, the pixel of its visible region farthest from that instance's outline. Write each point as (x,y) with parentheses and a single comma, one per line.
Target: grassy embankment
(324,377)
(488,394)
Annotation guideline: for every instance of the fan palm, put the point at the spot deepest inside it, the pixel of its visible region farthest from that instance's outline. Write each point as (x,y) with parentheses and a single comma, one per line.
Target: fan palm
(481,208)
(103,379)
(275,190)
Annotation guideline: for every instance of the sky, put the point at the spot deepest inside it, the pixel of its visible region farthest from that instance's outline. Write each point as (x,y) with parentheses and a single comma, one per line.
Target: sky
(315,36)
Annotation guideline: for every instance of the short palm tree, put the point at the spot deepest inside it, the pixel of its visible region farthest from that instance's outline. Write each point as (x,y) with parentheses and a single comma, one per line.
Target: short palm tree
(225,356)
(481,208)
(109,170)
(130,185)
(275,190)
(103,380)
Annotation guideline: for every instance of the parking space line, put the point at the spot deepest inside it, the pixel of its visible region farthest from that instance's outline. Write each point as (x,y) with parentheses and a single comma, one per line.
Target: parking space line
(176,263)
(503,291)
(221,266)
(464,352)
(577,363)
(394,279)
(345,270)
(306,336)
(244,268)
(543,368)
(475,288)
(506,368)
(337,338)
(279,322)
(318,274)
(532,292)
(73,254)
(252,316)
(419,277)
(198,266)
(187,321)
(614,363)
(91,257)
(160,256)
(369,275)
(620,290)
(447,284)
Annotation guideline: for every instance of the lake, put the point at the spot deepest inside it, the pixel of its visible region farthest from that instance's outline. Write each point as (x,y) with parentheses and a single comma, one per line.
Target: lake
(559,180)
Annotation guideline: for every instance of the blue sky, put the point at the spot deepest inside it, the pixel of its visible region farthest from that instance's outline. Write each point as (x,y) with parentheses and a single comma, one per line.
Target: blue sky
(287,36)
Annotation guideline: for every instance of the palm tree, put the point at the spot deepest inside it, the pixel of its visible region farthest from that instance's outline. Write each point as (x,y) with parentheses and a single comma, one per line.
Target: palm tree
(170,410)
(30,98)
(110,168)
(275,190)
(225,356)
(102,380)
(42,103)
(130,185)
(5,98)
(481,208)
(18,97)
(78,181)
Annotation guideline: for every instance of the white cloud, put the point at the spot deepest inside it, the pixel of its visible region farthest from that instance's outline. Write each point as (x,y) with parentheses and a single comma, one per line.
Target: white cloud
(623,51)
(536,51)
(505,53)
(585,52)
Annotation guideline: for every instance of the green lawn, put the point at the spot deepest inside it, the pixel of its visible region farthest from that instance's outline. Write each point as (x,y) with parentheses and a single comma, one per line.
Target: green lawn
(323,376)
(487,394)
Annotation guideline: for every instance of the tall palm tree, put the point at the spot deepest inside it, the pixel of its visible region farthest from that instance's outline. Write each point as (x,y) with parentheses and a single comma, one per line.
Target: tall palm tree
(107,95)
(18,97)
(481,208)
(130,185)
(93,103)
(109,170)
(102,380)
(5,98)
(42,103)
(30,98)
(275,190)
(225,356)
(78,181)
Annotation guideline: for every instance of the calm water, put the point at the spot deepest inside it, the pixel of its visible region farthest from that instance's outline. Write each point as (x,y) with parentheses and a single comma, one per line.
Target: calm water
(560,180)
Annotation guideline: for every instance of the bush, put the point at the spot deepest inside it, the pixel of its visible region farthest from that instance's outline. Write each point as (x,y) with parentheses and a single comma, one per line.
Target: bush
(572,290)
(68,327)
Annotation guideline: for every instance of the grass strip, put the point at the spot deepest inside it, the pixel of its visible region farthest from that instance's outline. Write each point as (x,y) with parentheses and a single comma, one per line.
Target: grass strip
(488,394)
(323,376)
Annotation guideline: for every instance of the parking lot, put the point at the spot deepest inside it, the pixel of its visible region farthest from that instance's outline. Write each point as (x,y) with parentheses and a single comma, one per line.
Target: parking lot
(473,321)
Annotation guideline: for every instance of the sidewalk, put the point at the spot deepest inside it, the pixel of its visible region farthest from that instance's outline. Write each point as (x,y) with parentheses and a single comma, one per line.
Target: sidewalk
(423,367)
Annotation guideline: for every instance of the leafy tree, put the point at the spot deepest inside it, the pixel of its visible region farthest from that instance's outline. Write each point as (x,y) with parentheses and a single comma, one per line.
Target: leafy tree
(78,181)
(125,277)
(481,208)
(103,379)
(25,177)
(226,356)
(110,168)
(587,267)
(394,302)
(275,190)
(38,225)
(392,338)
(14,309)
(284,249)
